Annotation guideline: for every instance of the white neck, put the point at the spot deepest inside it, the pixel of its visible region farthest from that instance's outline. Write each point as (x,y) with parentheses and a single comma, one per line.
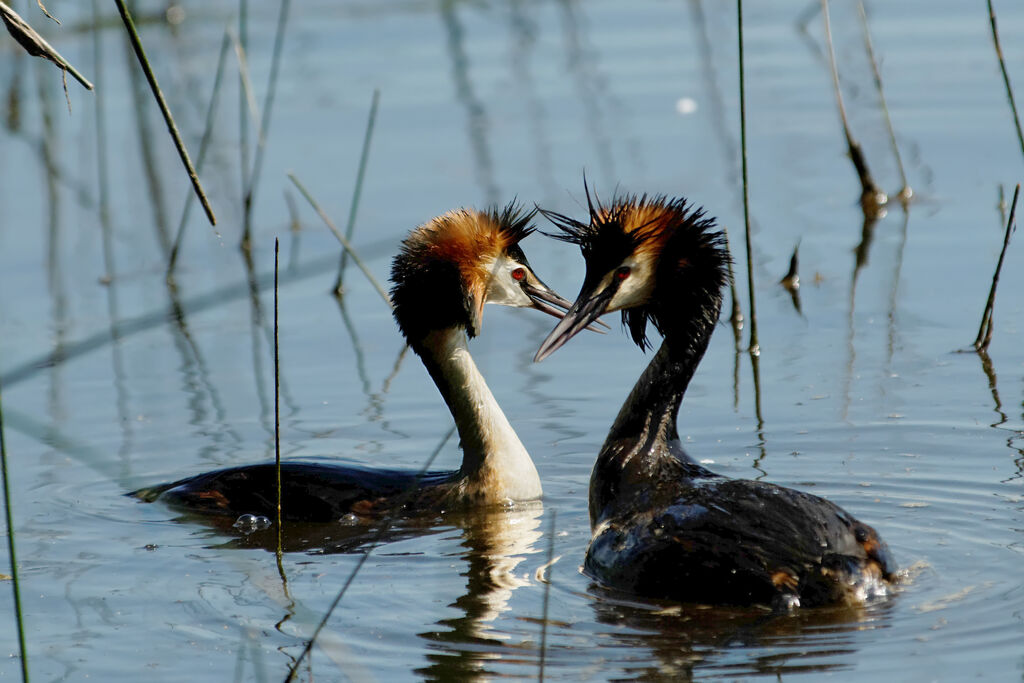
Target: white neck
(495,465)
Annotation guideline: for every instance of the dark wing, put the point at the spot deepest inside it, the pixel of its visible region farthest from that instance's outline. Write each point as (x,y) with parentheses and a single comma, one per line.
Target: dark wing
(739,542)
(310,492)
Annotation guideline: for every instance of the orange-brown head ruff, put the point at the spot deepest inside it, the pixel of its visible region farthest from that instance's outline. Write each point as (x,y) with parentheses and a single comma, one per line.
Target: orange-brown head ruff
(442,273)
(646,255)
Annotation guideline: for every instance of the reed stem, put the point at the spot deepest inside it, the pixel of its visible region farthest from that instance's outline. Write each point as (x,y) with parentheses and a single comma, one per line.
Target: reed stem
(871,197)
(15,585)
(277,396)
(357,192)
(1006,75)
(905,191)
(211,112)
(172,127)
(341,238)
(754,346)
(268,105)
(984,337)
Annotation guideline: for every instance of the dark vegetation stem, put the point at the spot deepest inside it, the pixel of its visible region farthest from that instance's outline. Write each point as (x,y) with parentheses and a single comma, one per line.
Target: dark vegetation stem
(15,586)
(172,127)
(754,346)
(871,197)
(984,337)
(905,191)
(1006,75)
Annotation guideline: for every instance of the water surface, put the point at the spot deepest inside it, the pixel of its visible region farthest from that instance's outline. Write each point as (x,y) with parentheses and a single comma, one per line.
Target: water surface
(112,380)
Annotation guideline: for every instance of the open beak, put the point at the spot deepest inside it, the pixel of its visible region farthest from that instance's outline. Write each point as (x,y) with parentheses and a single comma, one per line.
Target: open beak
(549,301)
(588,308)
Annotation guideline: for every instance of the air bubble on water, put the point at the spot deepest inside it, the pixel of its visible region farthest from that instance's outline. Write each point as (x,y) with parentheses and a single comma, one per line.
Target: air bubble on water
(349,519)
(247,524)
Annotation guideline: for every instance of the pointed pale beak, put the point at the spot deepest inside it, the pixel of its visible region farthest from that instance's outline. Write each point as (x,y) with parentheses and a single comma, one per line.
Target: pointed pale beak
(549,301)
(588,308)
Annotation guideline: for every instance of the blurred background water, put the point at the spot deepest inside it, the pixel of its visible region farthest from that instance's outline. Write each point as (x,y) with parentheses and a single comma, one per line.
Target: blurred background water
(113,380)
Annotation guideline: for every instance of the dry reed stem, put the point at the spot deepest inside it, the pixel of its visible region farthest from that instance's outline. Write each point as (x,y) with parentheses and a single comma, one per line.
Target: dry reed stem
(341,238)
(905,192)
(204,144)
(358,190)
(871,197)
(754,346)
(984,337)
(1006,75)
(172,127)
(35,44)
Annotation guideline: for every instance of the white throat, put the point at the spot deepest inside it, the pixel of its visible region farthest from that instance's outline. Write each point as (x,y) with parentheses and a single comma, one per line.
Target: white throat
(495,465)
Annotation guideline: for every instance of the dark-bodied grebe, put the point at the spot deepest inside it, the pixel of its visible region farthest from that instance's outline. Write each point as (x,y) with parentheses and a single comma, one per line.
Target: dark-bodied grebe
(664,526)
(446,271)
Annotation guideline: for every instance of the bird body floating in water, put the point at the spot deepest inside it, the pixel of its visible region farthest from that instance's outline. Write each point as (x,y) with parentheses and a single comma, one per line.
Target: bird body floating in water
(662,525)
(446,271)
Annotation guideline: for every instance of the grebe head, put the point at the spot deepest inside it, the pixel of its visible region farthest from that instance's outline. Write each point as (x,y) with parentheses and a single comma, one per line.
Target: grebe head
(654,258)
(449,267)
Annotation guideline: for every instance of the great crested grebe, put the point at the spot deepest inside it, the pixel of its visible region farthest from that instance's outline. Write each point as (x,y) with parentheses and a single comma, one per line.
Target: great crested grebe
(446,271)
(664,526)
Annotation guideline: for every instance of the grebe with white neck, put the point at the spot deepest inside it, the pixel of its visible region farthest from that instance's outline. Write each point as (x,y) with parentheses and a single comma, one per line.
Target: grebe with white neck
(662,525)
(447,269)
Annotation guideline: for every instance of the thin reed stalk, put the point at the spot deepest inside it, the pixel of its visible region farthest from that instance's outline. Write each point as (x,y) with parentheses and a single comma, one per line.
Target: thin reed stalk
(905,191)
(871,197)
(172,127)
(1006,75)
(277,396)
(357,192)
(341,238)
(211,112)
(984,337)
(247,96)
(547,599)
(253,179)
(19,619)
(381,530)
(243,91)
(755,348)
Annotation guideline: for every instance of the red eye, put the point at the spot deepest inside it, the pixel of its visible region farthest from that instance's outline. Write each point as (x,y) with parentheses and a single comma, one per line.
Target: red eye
(622,273)
(518,274)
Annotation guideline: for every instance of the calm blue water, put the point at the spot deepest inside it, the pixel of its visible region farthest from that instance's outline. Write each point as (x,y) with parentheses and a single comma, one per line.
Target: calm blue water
(863,398)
